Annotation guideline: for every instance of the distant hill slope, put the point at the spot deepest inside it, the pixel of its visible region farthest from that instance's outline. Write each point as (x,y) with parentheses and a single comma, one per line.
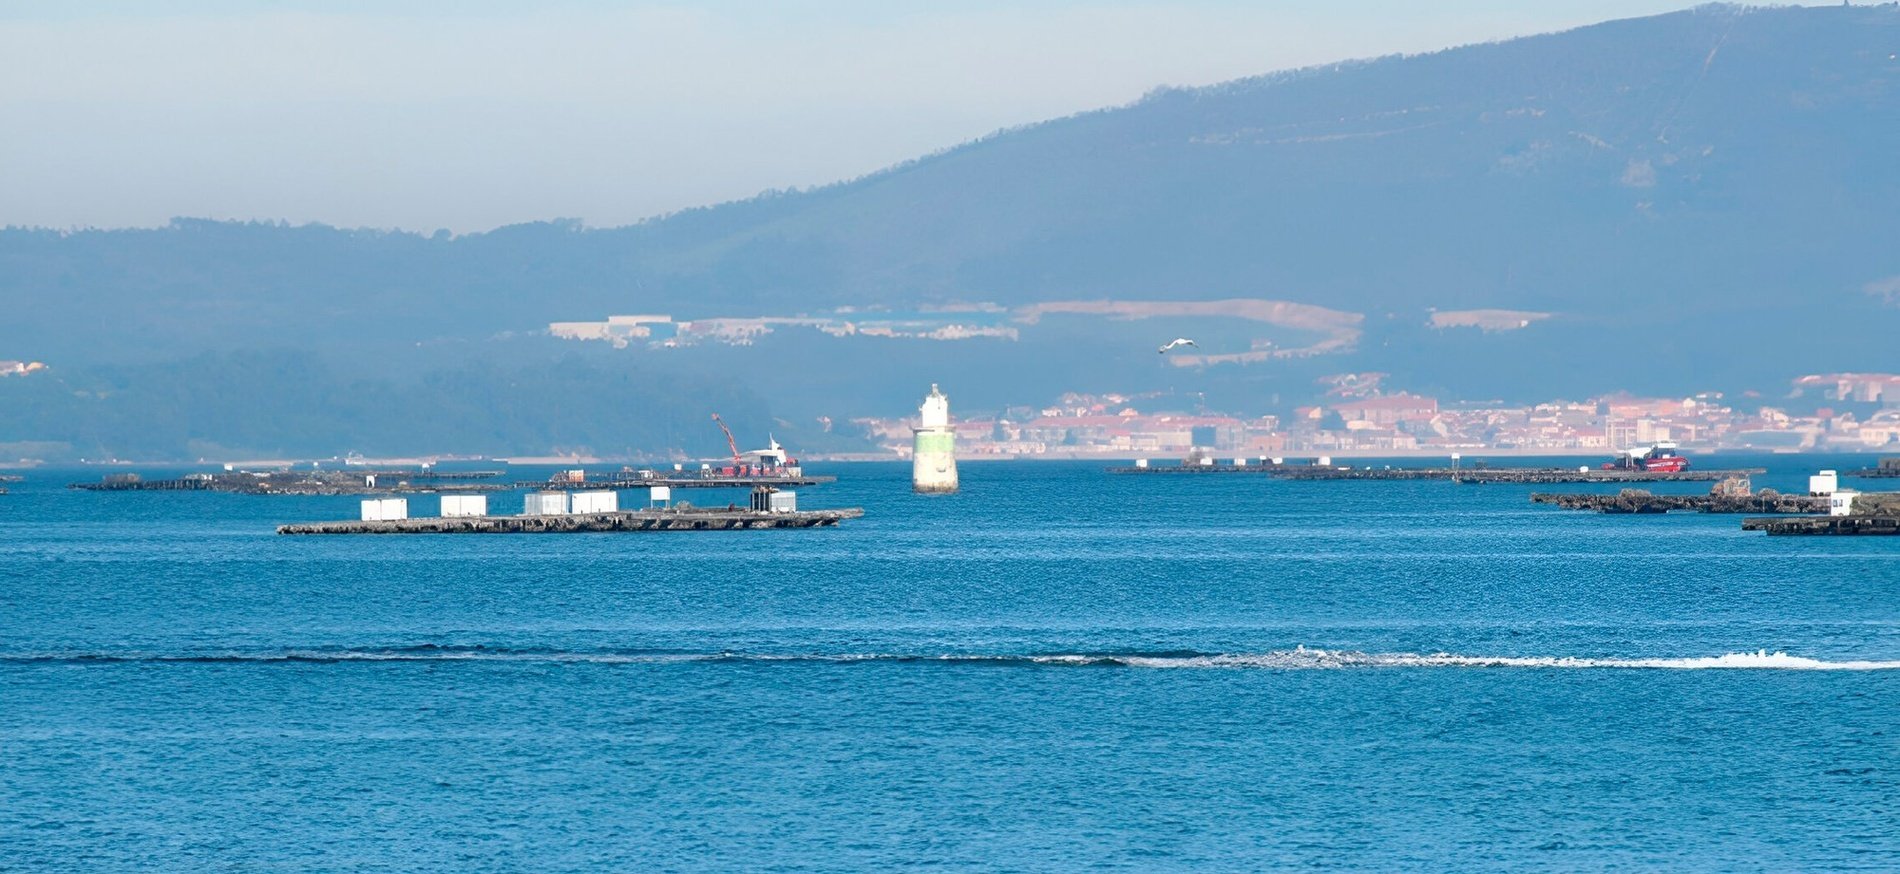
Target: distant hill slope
(1698,163)
(1702,199)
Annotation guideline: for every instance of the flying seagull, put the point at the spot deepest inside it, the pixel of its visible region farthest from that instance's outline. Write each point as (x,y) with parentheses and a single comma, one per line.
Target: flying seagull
(1178,341)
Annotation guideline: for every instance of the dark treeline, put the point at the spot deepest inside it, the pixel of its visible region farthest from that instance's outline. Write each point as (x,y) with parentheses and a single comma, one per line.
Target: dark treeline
(291,403)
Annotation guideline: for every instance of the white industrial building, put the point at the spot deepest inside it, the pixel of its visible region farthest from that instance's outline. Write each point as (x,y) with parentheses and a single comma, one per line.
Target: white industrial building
(603,501)
(464,505)
(774,500)
(545,504)
(385,509)
(1841,502)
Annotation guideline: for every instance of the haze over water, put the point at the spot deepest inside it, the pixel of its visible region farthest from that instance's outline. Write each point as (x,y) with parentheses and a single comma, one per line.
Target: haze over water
(1055,669)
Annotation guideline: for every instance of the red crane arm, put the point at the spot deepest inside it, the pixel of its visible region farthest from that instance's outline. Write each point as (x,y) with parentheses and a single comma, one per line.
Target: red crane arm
(730,443)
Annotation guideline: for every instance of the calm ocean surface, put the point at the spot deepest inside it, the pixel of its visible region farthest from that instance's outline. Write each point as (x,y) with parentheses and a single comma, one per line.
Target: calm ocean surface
(1055,670)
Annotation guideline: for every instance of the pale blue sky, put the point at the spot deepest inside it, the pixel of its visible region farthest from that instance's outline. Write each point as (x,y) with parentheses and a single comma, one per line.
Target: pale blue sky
(473,114)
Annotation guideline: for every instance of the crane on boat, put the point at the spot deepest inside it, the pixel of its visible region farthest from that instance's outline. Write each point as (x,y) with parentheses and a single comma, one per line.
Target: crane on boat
(770,461)
(730,443)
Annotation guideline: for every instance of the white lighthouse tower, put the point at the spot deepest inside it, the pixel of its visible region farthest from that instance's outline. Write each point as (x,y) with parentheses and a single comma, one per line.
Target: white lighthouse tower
(934,456)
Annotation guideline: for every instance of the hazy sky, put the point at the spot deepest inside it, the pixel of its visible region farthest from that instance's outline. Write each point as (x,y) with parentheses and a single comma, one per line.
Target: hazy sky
(471,114)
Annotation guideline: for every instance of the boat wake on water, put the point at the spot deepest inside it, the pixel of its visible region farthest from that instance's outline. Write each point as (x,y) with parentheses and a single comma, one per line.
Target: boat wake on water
(1298,658)
(1315,658)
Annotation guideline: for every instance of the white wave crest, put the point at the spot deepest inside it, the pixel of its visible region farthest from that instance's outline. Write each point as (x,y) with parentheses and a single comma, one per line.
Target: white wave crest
(1304,657)
(1299,658)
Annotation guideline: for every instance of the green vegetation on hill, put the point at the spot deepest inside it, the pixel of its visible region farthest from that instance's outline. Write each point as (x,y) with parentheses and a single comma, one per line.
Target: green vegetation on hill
(278,404)
(1704,199)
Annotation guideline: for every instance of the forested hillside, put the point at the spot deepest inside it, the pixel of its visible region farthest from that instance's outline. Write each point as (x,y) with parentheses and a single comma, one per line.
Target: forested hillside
(1707,199)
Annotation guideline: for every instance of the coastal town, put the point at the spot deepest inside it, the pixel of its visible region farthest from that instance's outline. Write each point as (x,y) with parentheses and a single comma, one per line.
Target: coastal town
(1845,412)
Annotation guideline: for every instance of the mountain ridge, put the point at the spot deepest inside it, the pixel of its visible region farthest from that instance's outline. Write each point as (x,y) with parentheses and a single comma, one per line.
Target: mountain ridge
(1697,200)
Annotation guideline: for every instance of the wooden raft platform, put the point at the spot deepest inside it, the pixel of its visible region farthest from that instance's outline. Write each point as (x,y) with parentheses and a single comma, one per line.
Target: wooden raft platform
(328,482)
(680,482)
(626,520)
(1203,468)
(1671,503)
(1547,475)
(1519,475)
(1830,525)
(187,484)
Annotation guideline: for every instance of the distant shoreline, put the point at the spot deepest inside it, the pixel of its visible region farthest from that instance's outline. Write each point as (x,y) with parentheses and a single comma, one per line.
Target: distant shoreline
(412,461)
(1473,454)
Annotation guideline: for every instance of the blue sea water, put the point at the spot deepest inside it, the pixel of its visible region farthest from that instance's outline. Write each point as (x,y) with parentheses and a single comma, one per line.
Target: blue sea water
(1055,670)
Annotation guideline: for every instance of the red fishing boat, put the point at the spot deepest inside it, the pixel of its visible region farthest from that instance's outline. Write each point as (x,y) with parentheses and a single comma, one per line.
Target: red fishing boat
(1660,458)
